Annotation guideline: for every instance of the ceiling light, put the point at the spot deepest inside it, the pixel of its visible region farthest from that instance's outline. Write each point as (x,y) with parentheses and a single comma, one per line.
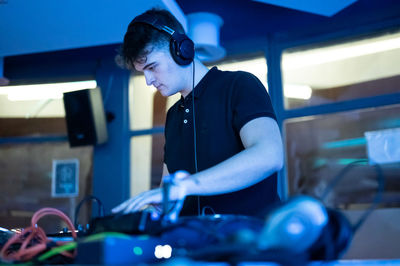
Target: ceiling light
(44,91)
(297,91)
(339,52)
(204,30)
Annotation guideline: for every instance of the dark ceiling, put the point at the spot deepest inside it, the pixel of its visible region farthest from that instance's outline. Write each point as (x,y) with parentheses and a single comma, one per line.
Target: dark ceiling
(246,25)
(247,22)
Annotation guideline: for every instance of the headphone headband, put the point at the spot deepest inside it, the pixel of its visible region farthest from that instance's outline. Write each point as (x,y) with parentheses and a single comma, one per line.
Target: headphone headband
(152,21)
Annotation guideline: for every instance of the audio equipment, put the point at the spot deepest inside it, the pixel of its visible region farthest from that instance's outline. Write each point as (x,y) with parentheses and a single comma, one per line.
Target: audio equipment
(112,248)
(5,235)
(136,223)
(185,236)
(295,225)
(82,229)
(334,239)
(181,47)
(304,225)
(85,117)
(294,233)
(301,229)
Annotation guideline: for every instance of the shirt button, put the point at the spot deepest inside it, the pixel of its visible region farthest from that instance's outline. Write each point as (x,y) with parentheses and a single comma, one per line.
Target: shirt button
(187,110)
(185,121)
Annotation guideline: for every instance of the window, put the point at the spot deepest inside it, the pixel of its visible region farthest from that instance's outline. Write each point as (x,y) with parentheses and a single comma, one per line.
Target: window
(343,71)
(148,109)
(318,147)
(26,158)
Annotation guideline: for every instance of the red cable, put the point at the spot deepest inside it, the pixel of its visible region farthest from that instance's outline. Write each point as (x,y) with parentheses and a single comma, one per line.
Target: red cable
(33,239)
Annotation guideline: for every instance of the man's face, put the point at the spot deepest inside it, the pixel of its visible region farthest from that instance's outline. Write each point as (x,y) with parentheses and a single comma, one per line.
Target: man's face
(161,71)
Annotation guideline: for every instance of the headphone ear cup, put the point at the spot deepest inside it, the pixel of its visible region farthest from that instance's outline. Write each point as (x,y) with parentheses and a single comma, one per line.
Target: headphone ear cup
(335,239)
(343,234)
(182,49)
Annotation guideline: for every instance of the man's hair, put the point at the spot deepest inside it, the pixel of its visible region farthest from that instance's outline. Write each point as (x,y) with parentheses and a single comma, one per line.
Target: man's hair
(141,38)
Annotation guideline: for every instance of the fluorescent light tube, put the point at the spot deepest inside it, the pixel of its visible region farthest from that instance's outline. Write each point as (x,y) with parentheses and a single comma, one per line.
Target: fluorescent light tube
(44,91)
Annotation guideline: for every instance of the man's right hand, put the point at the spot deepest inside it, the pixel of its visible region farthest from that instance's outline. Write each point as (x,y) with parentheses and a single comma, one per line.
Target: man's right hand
(154,197)
(150,197)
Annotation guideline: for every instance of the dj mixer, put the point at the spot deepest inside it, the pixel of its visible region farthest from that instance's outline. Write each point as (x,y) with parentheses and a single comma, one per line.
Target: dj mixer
(147,240)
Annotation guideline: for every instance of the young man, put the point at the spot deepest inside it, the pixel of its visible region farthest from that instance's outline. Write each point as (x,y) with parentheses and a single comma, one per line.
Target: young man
(226,137)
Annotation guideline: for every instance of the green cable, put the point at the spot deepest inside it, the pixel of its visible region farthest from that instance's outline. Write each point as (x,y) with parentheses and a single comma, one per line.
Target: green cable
(104,235)
(57,250)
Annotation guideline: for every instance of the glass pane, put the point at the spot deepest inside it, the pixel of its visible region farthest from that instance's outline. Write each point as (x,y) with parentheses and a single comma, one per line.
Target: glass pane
(147,156)
(147,107)
(256,66)
(319,147)
(31,118)
(38,100)
(345,71)
(26,180)
(31,109)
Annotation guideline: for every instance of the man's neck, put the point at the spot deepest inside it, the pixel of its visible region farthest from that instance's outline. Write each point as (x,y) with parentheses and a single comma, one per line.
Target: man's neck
(200,71)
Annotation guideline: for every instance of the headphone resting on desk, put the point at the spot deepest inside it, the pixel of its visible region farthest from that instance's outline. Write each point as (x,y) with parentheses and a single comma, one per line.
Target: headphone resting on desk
(303,225)
(181,46)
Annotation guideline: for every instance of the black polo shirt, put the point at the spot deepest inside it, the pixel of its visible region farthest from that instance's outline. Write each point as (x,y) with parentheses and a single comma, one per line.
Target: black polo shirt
(224,102)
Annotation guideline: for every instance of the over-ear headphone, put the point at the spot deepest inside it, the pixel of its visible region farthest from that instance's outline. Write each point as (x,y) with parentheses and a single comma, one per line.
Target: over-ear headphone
(303,225)
(335,238)
(181,47)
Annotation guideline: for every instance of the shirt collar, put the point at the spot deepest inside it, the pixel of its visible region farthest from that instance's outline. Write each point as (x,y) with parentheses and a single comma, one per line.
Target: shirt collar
(208,77)
(200,87)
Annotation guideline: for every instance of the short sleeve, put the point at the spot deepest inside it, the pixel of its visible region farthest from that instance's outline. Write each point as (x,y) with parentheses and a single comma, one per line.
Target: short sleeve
(250,100)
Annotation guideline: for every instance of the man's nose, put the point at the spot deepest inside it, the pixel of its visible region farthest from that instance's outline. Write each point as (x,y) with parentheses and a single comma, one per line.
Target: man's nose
(149,78)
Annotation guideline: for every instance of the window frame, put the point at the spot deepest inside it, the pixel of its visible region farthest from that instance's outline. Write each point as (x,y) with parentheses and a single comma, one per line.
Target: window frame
(278,44)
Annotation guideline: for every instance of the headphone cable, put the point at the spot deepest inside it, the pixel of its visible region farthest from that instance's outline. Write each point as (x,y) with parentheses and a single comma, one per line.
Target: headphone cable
(194,126)
(194,135)
(378,196)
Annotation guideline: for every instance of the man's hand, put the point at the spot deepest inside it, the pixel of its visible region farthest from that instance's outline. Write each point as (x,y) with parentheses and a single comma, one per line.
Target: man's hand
(177,193)
(150,197)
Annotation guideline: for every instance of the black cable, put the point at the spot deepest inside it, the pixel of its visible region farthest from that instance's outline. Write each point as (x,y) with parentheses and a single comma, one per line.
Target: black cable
(377,199)
(339,176)
(194,136)
(78,207)
(194,124)
(378,195)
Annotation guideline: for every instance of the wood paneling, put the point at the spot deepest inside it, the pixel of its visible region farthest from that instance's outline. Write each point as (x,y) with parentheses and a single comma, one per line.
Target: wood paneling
(18,127)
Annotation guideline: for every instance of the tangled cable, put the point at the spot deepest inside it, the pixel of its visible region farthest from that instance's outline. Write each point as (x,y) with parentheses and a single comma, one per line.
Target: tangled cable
(33,239)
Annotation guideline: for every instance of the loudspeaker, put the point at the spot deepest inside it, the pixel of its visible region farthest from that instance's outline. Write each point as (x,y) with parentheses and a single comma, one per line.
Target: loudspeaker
(85,117)
(180,46)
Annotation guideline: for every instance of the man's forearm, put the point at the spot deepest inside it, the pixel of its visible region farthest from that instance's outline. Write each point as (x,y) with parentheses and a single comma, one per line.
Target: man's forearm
(240,171)
(262,156)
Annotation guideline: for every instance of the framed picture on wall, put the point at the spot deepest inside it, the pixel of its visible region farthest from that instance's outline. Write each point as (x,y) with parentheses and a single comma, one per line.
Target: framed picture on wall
(65,178)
